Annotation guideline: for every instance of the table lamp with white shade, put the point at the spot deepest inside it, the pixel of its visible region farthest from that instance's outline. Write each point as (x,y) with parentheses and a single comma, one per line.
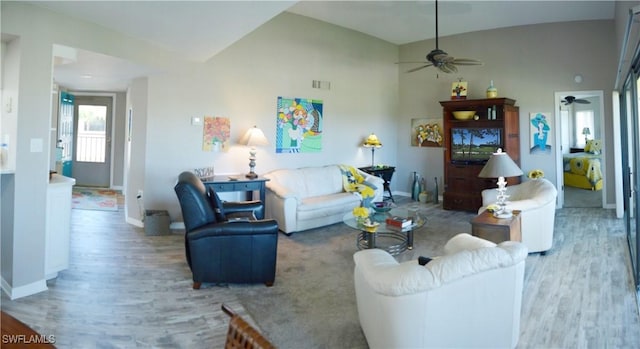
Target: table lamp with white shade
(253,138)
(500,166)
(586,132)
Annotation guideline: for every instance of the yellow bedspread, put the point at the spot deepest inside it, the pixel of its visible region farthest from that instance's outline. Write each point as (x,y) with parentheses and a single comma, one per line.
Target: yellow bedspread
(582,170)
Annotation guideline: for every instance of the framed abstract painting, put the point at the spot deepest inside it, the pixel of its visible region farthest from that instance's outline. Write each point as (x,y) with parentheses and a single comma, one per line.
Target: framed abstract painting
(299,125)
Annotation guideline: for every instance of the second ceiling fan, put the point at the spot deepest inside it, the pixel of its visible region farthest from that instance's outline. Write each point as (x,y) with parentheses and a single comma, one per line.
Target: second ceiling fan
(571,99)
(441,59)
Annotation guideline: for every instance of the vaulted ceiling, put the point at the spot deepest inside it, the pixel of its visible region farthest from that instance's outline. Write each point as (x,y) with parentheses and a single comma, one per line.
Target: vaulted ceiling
(198,30)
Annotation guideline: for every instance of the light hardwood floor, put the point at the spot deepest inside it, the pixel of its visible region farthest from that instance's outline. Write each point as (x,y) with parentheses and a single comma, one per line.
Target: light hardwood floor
(124,290)
(127,290)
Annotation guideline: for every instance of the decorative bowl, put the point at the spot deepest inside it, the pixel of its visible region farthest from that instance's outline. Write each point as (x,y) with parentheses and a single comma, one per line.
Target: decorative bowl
(371,227)
(464,114)
(381,206)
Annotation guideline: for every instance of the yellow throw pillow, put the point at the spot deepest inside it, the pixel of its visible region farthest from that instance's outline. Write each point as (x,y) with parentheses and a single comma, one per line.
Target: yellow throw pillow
(593,146)
(578,166)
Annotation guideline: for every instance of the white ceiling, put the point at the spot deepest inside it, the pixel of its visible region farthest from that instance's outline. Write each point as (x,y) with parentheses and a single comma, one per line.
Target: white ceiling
(198,30)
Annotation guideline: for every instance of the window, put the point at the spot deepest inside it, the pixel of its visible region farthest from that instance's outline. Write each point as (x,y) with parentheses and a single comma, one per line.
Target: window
(584,127)
(91,133)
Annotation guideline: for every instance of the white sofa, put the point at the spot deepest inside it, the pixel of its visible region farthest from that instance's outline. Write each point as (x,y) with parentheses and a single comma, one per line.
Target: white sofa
(311,197)
(537,201)
(470,297)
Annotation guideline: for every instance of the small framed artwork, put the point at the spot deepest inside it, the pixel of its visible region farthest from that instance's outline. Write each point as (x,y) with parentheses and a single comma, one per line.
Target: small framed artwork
(459,90)
(216,133)
(540,125)
(426,132)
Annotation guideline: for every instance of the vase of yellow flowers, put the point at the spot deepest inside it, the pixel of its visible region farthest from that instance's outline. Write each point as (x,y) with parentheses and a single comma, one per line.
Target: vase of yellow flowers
(361,214)
(535,174)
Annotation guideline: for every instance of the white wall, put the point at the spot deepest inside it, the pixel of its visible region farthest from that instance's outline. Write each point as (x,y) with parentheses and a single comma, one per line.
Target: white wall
(136,150)
(243,83)
(38,30)
(526,63)
(10,84)
(8,124)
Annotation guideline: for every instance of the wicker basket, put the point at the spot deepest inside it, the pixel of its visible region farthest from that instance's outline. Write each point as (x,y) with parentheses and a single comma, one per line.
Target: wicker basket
(242,335)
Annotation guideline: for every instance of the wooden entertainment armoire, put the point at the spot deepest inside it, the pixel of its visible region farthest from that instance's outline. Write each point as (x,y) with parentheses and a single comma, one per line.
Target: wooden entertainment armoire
(462,187)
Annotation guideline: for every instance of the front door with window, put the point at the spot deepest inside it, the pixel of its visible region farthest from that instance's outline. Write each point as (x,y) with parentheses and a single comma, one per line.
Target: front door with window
(92,151)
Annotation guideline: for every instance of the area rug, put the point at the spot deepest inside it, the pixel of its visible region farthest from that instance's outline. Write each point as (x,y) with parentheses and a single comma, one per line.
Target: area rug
(312,303)
(94,199)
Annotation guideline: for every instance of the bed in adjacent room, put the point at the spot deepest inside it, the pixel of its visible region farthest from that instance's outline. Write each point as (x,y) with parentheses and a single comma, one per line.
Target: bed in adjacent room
(583,170)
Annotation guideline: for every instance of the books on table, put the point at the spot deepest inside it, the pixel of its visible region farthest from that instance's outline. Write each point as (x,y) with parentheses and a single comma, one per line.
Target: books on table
(398,222)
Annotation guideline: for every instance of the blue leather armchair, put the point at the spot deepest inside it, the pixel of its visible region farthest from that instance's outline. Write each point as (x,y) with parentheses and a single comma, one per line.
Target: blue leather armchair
(220,247)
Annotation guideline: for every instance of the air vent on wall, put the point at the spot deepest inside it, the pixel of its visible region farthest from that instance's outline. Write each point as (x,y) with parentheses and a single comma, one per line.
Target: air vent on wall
(322,85)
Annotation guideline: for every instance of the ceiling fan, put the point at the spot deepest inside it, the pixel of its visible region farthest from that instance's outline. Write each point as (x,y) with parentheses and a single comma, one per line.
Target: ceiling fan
(440,59)
(571,99)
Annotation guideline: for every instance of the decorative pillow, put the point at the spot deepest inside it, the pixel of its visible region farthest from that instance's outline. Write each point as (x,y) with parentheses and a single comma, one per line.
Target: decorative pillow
(216,203)
(579,165)
(594,146)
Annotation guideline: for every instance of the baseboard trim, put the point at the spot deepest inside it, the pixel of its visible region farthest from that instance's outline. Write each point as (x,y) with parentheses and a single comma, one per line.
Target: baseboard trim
(176,226)
(23,291)
(140,224)
(135,222)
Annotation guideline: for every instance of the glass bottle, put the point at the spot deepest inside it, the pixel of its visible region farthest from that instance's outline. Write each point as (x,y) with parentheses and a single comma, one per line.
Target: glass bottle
(415,193)
(492,91)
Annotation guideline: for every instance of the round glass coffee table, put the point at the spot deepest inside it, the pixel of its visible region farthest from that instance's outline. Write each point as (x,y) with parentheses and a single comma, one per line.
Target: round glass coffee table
(391,239)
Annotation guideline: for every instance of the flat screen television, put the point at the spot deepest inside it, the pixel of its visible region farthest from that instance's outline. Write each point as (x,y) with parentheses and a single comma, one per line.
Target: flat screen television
(474,145)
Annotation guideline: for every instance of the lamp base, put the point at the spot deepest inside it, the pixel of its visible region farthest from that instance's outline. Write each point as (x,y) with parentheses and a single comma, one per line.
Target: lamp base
(251,175)
(503,215)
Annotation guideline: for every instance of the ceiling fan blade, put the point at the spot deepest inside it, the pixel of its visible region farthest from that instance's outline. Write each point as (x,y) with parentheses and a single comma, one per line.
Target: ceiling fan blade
(448,68)
(418,68)
(467,61)
(446,59)
(416,62)
(581,101)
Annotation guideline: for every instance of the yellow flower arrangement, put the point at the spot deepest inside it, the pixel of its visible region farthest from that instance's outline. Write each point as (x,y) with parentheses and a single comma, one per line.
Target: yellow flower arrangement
(361,212)
(535,174)
(493,208)
(367,192)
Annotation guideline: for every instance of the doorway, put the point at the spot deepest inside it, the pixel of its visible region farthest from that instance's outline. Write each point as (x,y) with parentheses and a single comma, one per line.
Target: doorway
(92,141)
(580,125)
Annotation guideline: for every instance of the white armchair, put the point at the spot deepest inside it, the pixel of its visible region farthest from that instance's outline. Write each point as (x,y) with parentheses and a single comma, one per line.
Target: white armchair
(536,199)
(468,298)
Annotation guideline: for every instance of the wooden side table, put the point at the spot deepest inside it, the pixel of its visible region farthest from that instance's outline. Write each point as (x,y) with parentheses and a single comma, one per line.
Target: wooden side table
(497,230)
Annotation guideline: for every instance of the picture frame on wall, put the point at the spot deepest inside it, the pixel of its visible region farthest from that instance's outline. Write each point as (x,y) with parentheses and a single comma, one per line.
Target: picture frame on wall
(426,132)
(459,90)
(540,133)
(299,125)
(216,133)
